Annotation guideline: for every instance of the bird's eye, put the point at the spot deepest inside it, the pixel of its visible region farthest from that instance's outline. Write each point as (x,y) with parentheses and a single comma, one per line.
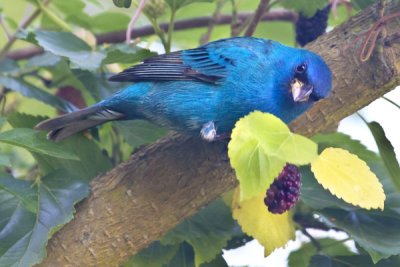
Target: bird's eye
(301,68)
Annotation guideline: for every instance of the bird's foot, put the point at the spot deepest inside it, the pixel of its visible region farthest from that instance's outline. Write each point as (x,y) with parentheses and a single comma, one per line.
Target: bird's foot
(209,133)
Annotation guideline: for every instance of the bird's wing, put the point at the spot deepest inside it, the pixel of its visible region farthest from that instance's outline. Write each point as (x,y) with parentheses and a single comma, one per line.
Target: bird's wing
(202,64)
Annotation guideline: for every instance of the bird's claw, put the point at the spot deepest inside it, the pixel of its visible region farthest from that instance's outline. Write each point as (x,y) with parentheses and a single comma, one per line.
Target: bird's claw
(209,132)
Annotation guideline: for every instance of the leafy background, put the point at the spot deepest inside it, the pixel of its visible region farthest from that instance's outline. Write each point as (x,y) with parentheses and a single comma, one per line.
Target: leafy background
(73,71)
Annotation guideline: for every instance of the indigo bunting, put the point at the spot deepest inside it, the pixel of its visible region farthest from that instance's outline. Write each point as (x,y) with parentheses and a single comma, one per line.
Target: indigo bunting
(207,89)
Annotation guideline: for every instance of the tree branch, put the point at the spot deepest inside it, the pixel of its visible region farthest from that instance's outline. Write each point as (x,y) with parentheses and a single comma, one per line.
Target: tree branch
(262,7)
(25,23)
(199,22)
(164,183)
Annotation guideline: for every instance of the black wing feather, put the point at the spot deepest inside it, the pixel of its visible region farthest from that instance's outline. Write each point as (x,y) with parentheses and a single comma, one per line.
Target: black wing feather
(171,67)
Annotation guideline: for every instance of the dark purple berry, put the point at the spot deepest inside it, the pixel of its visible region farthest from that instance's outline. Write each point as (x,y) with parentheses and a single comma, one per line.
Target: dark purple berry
(284,192)
(309,29)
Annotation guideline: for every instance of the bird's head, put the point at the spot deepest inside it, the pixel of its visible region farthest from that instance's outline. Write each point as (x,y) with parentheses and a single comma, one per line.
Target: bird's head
(304,78)
(311,78)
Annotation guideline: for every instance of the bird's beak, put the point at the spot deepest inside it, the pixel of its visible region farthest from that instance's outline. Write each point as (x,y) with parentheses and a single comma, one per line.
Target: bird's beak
(300,91)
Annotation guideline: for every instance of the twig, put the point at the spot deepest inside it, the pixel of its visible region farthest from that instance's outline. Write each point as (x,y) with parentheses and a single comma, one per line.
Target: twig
(171,27)
(314,241)
(23,25)
(240,26)
(214,19)
(261,9)
(235,23)
(133,20)
(391,101)
(199,22)
(53,17)
(335,3)
(4,26)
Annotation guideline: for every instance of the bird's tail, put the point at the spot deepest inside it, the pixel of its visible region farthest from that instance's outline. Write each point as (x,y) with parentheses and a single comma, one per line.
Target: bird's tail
(66,125)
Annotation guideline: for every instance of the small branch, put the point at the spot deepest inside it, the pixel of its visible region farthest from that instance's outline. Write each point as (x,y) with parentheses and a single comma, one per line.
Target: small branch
(261,9)
(214,19)
(240,26)
(4,26)
(308,221)
(199,22)
(314,241)
(24,24)
(235,23)
(391,101)
(133,20)
(53,17)
(171,25)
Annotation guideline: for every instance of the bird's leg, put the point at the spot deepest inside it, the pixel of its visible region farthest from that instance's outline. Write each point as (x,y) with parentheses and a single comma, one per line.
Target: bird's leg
(209,132)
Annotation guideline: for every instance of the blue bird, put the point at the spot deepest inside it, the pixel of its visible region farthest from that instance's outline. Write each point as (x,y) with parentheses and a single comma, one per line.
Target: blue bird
(207,89)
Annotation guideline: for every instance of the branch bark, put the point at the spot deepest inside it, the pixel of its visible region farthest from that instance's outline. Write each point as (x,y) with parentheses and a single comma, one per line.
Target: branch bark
(164,183)
(199,22)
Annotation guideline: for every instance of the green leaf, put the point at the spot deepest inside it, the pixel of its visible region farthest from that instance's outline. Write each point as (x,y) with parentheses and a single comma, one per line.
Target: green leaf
(365,261)
(20,190)
(92,160)
(96,85)
(46,59)
(101,22)
(260,146)
(254,169)
(66,44)
(4,160)
(8,65)
(297,149)
(70,6)
(156,255)
(126,53)
(207,232)
(329,246)
(321,260)
(183,258)
(387,153)
(306,7)
(376,232)
(122,3)
(25,228)
(219,261)
(351,261)
(139,132)
(31,91)
(37,142)
(12,24)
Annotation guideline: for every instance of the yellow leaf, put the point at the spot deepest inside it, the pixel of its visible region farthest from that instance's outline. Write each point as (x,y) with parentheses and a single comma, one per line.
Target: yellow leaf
(271,230)
(348,177)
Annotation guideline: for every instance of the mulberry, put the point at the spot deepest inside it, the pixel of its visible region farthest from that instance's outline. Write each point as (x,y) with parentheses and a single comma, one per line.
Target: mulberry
(309,29)
(284,192)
